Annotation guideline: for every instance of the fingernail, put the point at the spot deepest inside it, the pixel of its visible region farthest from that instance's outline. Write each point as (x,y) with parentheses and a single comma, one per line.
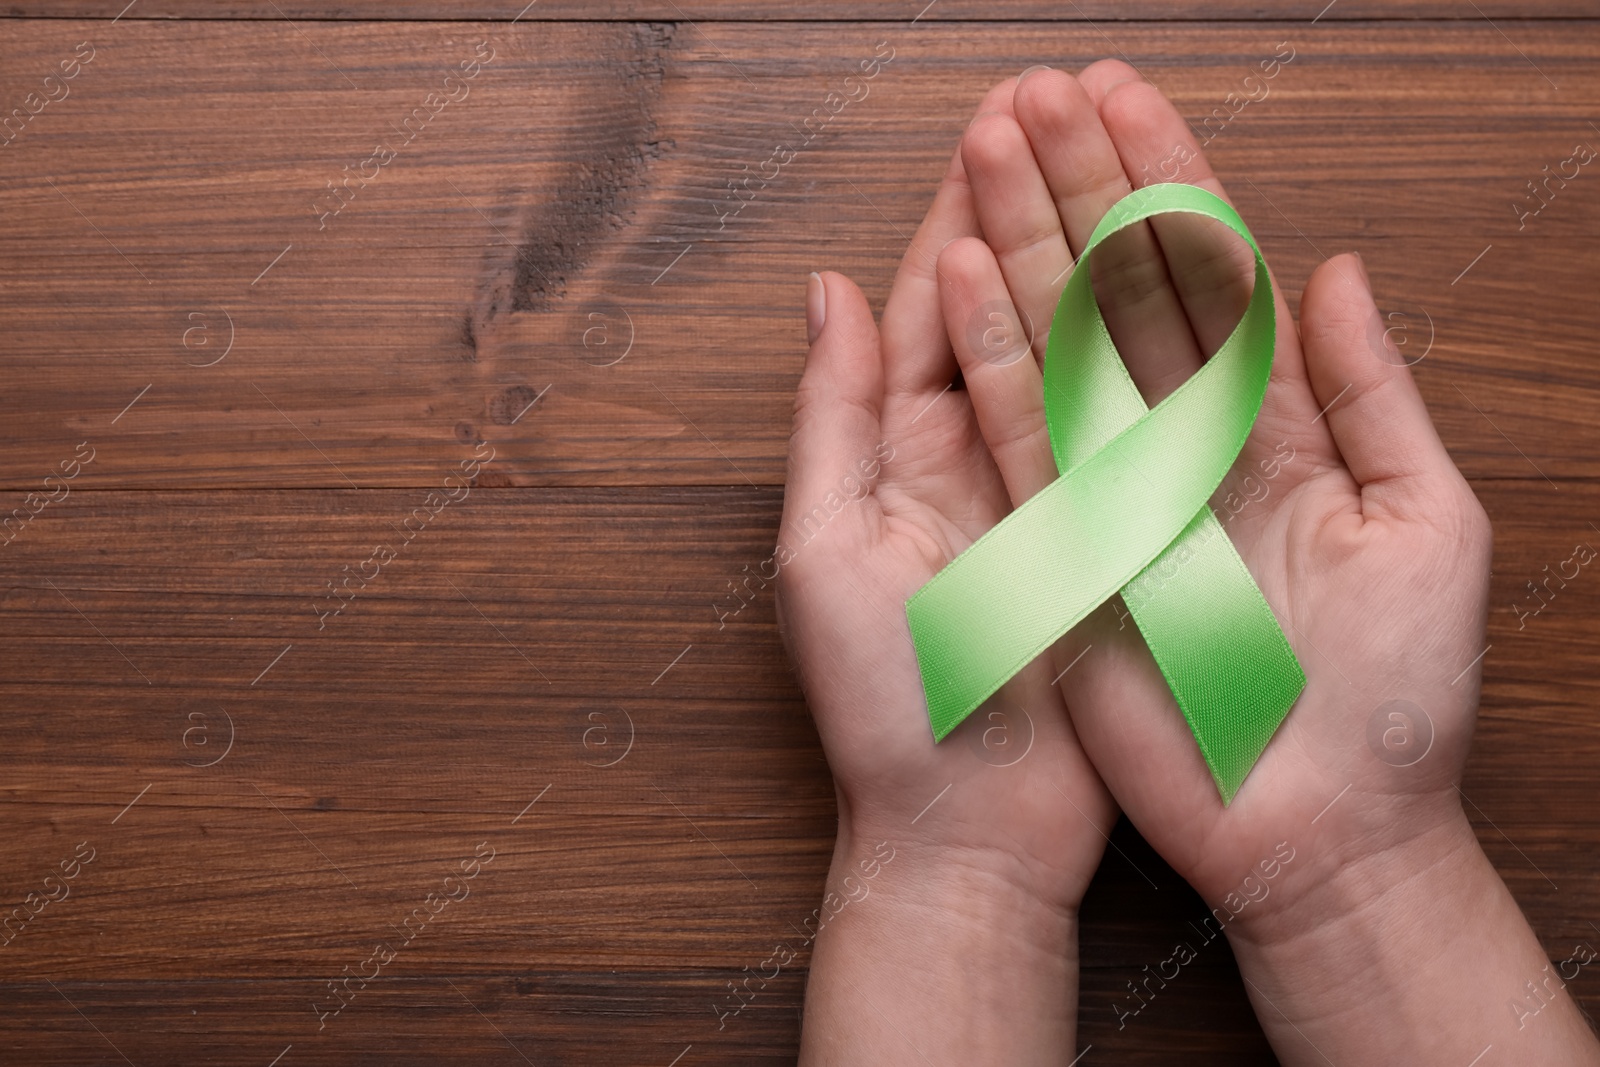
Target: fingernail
(816,307)
(1361,265)
(1030,70)
(1119,82)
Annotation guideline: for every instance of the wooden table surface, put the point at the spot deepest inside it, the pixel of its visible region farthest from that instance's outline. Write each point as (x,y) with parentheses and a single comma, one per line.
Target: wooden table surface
(531,382)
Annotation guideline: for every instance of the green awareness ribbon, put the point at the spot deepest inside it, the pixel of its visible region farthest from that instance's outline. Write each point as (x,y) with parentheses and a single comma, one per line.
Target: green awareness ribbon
(1129,513)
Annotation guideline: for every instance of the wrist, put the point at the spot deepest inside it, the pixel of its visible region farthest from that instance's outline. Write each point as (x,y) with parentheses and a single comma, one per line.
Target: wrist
(989,895)
(986,884)
(1410,952)
(1367,865)
(928,951)
(1351,948)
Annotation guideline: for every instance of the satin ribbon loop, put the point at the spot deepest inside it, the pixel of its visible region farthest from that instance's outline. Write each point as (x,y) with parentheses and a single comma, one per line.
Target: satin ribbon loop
(1127,514)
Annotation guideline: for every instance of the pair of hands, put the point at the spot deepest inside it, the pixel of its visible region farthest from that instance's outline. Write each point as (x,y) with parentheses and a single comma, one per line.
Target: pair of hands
(1364,538)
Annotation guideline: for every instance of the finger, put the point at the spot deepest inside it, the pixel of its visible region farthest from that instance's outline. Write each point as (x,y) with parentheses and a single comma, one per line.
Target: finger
(1003,382)
(1075,154)
(1018,218)
(836,415)
(1083,171)
(1212,270)
(1101,76)
(918,362)
(1378,419)
(1213,277)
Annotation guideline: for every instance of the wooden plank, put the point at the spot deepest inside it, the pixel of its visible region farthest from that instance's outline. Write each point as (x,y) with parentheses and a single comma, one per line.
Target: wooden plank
(549,1017)
(506,653)
(576,195)
(497,661)
(1109,11)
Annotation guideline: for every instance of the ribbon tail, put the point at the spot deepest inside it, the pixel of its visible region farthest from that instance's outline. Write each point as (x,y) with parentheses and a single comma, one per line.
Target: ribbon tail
(1219,646)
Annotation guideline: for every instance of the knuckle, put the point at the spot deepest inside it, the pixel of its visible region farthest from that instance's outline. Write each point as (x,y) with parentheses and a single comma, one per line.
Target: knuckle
(1219,269)
(989,142)
(1129,281)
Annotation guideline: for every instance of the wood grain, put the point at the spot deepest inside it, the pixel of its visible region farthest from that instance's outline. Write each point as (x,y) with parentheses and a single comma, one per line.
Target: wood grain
(831,11)
(470,679)
(573,198)
(269,788)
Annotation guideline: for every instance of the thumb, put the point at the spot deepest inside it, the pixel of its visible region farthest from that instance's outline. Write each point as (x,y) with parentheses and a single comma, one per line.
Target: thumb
(1368,396)
(836,412)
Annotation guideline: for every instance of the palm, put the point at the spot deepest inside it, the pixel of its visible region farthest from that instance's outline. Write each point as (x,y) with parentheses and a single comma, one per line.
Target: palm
(1369,502)
(1309,541)
(1017,786)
